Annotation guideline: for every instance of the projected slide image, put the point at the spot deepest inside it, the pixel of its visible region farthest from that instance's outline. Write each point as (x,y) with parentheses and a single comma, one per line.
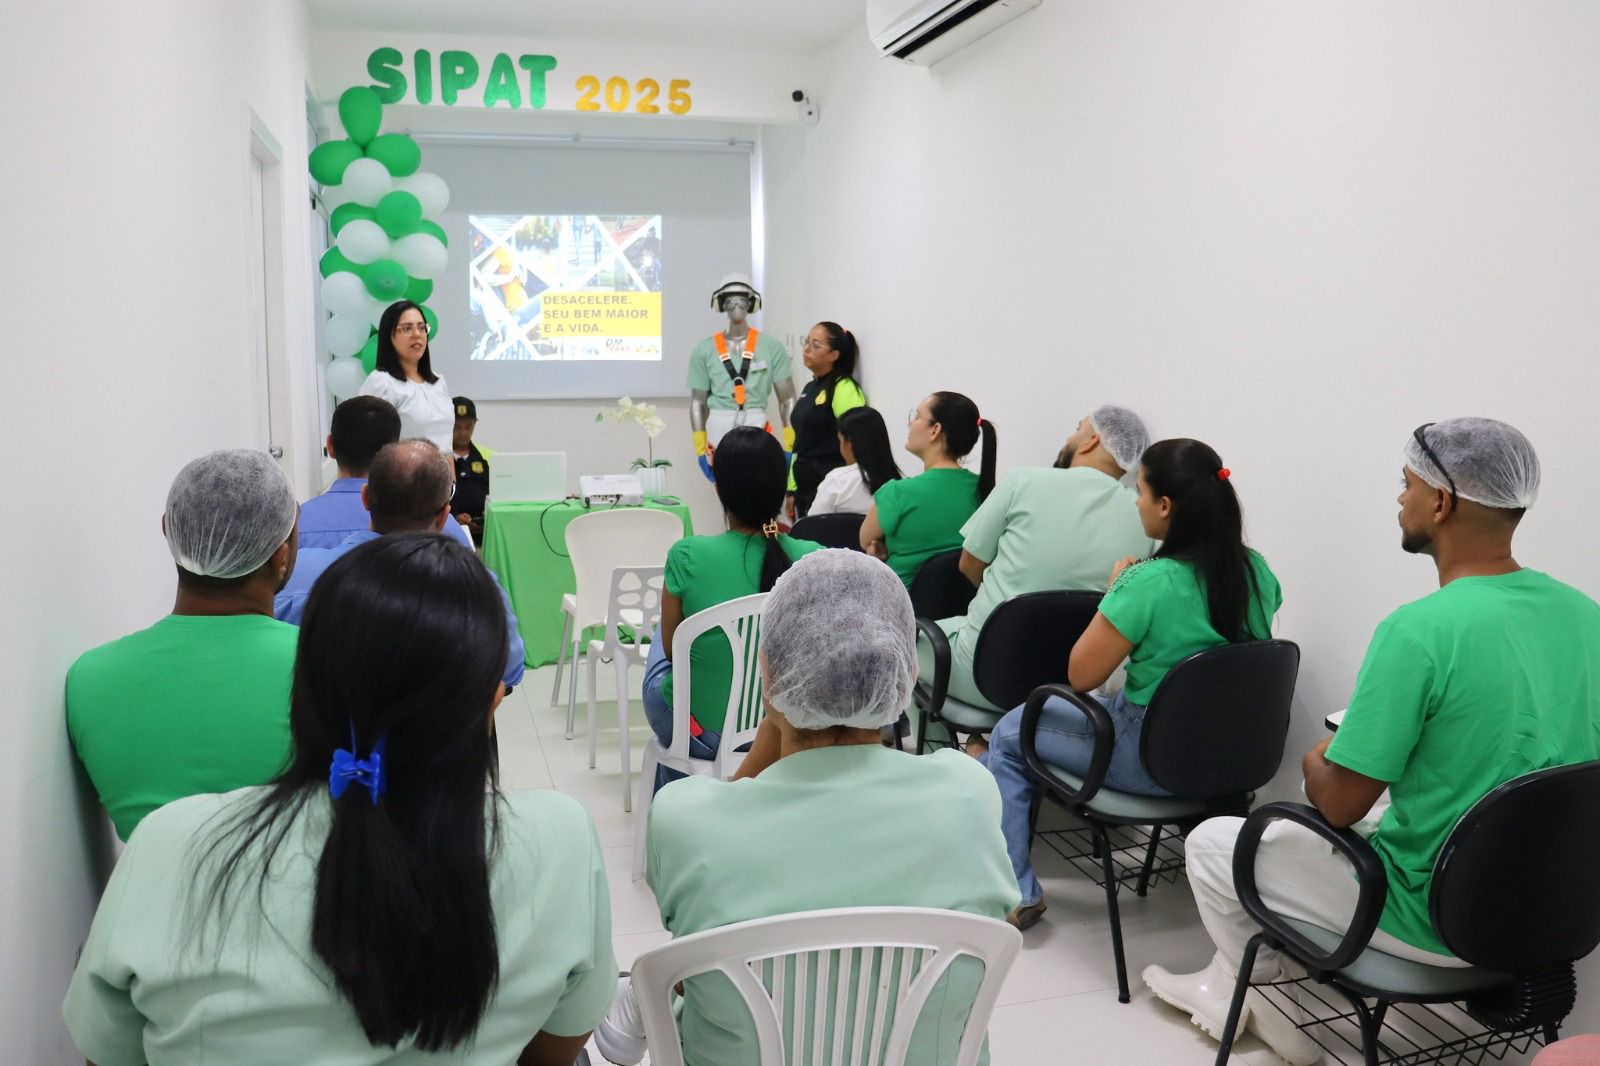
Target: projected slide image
(565,287)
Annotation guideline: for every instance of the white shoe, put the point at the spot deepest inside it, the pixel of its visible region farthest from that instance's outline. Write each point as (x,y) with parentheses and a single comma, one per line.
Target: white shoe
(1204,996)
(620,1034)
(1281,1031)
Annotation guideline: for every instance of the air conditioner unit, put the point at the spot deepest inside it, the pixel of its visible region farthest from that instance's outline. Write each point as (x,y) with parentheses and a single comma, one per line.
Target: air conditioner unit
(925,31)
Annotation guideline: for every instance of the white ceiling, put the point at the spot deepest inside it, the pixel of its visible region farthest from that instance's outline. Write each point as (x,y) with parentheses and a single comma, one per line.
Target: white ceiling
(799,26)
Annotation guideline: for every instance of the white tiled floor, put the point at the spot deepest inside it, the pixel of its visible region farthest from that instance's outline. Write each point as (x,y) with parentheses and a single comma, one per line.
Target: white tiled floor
(1059,1005)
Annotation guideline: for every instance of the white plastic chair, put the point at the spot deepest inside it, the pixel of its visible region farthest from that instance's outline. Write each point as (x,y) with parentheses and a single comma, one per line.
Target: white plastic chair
(740,622)
(598,543)
(905,950)
(635,602)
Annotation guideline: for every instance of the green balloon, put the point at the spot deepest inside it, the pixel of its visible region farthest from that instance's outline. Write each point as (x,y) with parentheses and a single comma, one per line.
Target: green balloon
(369,353)
(349,213)
(329,160)
(385,279)
(419,290)
(398,213)
(433,229)
(432,320)
(361,112)
(398,153)
(333,261)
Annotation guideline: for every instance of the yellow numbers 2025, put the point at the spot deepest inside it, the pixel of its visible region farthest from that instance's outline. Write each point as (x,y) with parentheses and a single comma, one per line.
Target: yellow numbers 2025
(643,95)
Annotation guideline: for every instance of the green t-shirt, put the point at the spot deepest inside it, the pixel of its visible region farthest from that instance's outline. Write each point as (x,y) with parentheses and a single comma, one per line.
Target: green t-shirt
(703,572)
(1043,529)
(795,839)
(1487,679)
(923,515)
(769,364)
(1160,607)
(193,704)
(259,994)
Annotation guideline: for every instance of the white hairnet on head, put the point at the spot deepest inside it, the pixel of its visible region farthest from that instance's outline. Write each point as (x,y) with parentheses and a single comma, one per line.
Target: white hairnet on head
(1122,432)
(227,512)
(840,642)
(1490,462)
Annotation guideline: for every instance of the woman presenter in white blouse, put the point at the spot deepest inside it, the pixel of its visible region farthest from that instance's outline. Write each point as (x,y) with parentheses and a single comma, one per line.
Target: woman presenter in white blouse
(404,376)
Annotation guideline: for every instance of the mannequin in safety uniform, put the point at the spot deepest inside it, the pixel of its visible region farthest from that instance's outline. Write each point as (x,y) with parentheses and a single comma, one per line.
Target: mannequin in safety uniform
(732,372)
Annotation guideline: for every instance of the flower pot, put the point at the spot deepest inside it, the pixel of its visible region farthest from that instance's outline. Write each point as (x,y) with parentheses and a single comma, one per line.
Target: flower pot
(652,480)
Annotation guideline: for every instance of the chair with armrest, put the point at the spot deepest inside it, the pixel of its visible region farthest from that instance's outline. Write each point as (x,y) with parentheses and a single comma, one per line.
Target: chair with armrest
(940,589)
(1024,643)
(1214,733)
(1515,892)
(840,529)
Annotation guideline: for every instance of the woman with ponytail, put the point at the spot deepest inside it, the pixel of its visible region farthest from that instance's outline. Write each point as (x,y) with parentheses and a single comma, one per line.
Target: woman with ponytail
(705,571)
(917,517)
(381,899)
(830,353)
(1202,589)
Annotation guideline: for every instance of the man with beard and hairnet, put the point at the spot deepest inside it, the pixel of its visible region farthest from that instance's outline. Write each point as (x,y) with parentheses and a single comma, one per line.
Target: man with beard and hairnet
(198,702)
(1493,676)
(830,818)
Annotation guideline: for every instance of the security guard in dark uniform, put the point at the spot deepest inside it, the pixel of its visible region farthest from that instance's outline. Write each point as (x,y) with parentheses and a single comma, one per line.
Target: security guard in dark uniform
(472,471)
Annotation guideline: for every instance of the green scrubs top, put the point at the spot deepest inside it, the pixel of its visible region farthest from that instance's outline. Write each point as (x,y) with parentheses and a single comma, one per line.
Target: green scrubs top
(1487,679)
(1042,529)
(703,572)
(257,993)
(828,827)
(769,364)
(193,704)
(922,516)
(1160,607)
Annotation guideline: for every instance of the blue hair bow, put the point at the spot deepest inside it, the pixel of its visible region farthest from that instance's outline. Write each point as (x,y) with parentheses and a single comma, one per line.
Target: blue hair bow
(346,768)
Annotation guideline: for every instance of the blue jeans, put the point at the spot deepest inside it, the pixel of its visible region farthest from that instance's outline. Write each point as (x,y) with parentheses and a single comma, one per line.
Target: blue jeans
(1065,739)
(658,712)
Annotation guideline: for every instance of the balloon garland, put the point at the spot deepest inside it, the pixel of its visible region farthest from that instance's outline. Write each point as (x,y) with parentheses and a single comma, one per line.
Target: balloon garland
(387,246)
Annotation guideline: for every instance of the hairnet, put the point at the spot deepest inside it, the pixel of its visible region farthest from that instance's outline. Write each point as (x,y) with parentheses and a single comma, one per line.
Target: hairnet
(227,512)
(1122,432)
(840,642)
(1490,462)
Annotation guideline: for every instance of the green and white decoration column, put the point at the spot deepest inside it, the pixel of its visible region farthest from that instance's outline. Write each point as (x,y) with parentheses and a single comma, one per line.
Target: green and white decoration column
(387,246)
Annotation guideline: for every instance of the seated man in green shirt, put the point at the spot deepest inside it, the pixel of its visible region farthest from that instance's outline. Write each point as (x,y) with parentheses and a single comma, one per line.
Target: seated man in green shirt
(1489,678)
(198,702)
(822,814)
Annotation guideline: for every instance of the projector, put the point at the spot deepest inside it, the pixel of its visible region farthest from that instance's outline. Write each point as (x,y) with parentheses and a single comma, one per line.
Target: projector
(603,490)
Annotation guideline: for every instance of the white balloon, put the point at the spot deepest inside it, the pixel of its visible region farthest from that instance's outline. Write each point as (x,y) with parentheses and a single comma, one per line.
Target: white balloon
(422,254)
(363,241)
(334,196)
(345,334)
(429,189)
(344,293)
(345,377)
(366,181)
(375,310)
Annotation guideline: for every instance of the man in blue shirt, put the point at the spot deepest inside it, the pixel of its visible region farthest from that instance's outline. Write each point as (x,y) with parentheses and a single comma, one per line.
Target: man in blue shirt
(361,426)
(408,490)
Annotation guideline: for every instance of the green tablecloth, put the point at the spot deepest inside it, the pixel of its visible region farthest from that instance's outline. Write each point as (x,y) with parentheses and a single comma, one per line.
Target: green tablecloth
(525,544)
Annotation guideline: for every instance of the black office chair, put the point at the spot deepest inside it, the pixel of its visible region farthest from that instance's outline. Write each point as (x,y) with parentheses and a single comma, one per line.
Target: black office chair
(1213,734)
(838,530)
(1024,643)
(940,589)
(1515,892)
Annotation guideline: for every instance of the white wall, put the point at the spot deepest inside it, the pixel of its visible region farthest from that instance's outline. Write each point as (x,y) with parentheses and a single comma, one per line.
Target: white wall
(124,206)
(1294,231)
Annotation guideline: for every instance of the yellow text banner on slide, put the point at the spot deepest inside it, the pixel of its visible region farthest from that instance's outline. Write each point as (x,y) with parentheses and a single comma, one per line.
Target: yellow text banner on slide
(600,314)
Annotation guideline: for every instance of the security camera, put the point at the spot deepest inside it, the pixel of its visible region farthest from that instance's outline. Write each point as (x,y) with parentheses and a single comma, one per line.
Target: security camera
(798,96)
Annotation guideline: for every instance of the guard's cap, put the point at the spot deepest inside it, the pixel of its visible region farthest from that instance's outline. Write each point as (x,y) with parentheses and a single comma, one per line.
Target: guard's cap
(465,408)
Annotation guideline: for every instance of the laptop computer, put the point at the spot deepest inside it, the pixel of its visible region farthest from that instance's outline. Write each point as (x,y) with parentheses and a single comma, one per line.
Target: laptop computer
(517,476)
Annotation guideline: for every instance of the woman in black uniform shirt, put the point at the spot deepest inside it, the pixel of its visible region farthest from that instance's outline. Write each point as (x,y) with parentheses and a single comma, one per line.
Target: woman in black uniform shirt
(830,354)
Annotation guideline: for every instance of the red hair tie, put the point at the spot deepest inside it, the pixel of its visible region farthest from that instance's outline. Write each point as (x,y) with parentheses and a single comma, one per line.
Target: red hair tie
(980,423)
(1224,474)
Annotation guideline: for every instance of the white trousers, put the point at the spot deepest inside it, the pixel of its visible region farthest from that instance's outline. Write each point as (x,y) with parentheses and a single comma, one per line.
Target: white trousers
(719,421)
(1299,876)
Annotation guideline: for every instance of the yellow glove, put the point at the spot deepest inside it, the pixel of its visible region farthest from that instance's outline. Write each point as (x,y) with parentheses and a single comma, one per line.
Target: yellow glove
(701,456)
(788,438)
(699,442)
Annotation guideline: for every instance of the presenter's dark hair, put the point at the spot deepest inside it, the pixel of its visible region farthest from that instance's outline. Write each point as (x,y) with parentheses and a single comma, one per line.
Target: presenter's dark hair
(388,358)
(1207,530)
(362,425)
(842,341)
(962,426)
(752,477)
(863,427)
(403,640)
